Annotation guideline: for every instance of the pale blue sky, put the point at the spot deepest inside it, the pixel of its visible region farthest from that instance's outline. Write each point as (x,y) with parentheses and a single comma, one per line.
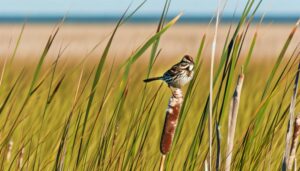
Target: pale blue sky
(152,7)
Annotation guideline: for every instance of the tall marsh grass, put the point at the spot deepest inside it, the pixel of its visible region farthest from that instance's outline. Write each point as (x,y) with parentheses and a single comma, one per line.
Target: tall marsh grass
(59,114)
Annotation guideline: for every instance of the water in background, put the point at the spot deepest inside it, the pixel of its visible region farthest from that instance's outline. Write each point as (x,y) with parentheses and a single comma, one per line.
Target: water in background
(138,19)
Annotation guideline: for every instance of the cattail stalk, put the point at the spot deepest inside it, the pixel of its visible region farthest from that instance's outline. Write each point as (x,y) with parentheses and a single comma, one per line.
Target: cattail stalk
(172,115)
(295,141)
(234,107)
(291,123)
(162,162)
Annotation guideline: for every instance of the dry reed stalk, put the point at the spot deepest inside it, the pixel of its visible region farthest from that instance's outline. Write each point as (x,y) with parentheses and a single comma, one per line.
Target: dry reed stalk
(213,54)
(21,158)
(205,165)
(172,115)
(234,107)
(291,123)
(9,150)
(295,141)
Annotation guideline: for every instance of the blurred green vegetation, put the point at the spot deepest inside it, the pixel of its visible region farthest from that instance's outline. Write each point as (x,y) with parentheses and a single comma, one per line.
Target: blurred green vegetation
(97,114)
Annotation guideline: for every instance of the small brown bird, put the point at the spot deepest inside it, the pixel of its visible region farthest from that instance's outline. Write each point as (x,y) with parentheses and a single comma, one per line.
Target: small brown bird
(180,73)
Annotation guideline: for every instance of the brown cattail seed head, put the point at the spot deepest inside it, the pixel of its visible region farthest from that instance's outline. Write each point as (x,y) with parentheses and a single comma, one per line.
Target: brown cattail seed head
(172,115)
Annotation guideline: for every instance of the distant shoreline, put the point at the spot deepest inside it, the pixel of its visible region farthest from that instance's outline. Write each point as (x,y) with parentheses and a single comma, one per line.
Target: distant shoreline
(80,39)
(138,19)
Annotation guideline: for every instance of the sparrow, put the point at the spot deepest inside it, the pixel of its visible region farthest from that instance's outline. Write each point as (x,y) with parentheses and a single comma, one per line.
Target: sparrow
(179,74)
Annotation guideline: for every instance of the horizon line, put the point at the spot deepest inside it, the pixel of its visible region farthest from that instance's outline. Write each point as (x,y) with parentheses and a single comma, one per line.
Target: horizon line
(139,19)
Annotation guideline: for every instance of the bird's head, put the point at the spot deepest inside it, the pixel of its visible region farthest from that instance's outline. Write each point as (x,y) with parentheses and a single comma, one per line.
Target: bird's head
(187,59)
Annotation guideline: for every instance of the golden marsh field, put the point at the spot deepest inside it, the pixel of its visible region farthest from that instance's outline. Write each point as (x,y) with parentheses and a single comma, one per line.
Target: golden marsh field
(73,96)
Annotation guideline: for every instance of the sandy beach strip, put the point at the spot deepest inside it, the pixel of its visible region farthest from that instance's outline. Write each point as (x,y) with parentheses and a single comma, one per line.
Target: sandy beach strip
(178,40)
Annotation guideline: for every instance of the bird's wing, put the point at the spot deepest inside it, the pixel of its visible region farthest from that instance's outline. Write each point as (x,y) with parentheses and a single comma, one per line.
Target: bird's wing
(173,71)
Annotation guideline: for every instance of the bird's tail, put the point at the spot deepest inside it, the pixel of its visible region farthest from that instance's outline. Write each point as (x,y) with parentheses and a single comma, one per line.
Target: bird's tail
(152,79)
